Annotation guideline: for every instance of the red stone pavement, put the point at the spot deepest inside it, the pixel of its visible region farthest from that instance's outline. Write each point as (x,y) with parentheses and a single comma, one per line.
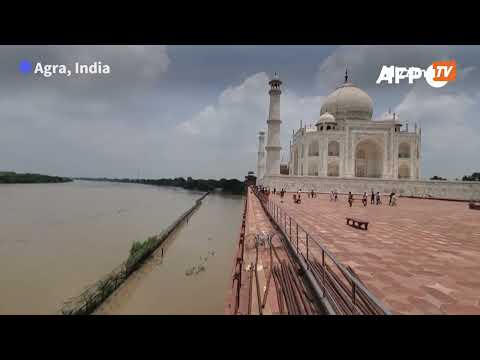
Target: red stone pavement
(419,257)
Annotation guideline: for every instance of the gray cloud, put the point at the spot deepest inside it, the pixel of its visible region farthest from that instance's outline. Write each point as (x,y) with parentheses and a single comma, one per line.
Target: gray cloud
(77,126)
(196,110)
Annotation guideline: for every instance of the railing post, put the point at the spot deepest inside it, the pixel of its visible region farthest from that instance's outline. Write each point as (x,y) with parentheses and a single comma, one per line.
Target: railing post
(353,297)
(290,220)
(308,266)
(297,238)
(323,272)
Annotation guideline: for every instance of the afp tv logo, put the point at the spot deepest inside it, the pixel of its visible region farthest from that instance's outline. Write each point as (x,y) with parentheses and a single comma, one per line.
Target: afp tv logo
(436,75)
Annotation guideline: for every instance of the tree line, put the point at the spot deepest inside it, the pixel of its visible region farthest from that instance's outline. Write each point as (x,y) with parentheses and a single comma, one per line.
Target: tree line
(474,177)
(10,177)
(231,186)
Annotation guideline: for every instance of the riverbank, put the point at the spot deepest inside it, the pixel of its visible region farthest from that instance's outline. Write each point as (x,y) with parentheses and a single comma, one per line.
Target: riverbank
(10,177)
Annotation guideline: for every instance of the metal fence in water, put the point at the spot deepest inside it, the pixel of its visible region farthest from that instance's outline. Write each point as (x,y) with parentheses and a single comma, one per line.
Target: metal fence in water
(95,294)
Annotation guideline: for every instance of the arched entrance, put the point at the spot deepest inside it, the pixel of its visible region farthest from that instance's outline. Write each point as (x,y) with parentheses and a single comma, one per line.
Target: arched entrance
(313,148)
(333,148)
(403,172)
(404,151)
(368,159)
(312,169)
(333,169)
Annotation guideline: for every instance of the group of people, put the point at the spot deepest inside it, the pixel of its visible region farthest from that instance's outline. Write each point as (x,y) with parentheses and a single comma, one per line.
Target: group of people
(281,192)
(375,198)
(333,195)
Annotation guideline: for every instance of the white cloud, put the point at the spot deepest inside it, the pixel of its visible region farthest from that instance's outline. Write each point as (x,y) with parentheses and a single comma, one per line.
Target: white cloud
(450,139)
(365,61)
(228,130)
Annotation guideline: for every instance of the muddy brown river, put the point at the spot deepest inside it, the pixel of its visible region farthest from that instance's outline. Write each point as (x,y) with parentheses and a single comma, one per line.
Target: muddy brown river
(55,239)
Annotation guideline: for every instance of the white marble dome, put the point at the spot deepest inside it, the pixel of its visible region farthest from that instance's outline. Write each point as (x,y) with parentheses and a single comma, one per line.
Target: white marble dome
(348,102)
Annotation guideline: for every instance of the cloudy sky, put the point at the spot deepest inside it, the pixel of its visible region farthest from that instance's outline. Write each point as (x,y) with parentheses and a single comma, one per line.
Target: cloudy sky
(167,111)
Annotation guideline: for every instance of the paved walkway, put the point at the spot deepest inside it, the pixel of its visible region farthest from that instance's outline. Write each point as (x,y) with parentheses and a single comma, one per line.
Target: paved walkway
(420,257)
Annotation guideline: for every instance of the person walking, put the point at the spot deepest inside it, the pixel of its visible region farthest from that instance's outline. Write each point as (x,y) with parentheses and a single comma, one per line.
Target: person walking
(350,198)
(390,200)
(394,200)
(336,196)
(378,198)
(364,199)
(298,196)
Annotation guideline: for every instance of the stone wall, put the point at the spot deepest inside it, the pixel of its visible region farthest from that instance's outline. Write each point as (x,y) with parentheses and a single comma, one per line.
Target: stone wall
(451,190)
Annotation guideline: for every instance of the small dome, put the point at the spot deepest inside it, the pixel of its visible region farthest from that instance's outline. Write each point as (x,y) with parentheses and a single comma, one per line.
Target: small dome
(389,116)
(326,117)
(348,102)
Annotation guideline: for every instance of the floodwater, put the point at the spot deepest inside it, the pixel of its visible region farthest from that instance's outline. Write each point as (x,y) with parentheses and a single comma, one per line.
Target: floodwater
(55,239)
(194,274)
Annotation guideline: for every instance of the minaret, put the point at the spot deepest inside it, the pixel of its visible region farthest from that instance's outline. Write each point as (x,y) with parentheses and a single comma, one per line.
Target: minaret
(272,166)
(261,155)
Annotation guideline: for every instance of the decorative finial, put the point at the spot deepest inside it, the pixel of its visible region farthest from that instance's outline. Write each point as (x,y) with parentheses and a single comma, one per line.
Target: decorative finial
(346,75)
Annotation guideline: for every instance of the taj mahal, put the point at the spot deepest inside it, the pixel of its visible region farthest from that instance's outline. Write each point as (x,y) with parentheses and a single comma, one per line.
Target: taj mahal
(348,150)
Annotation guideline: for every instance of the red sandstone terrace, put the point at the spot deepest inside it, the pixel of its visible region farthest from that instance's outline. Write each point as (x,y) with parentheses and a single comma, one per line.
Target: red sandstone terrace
(419,257)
